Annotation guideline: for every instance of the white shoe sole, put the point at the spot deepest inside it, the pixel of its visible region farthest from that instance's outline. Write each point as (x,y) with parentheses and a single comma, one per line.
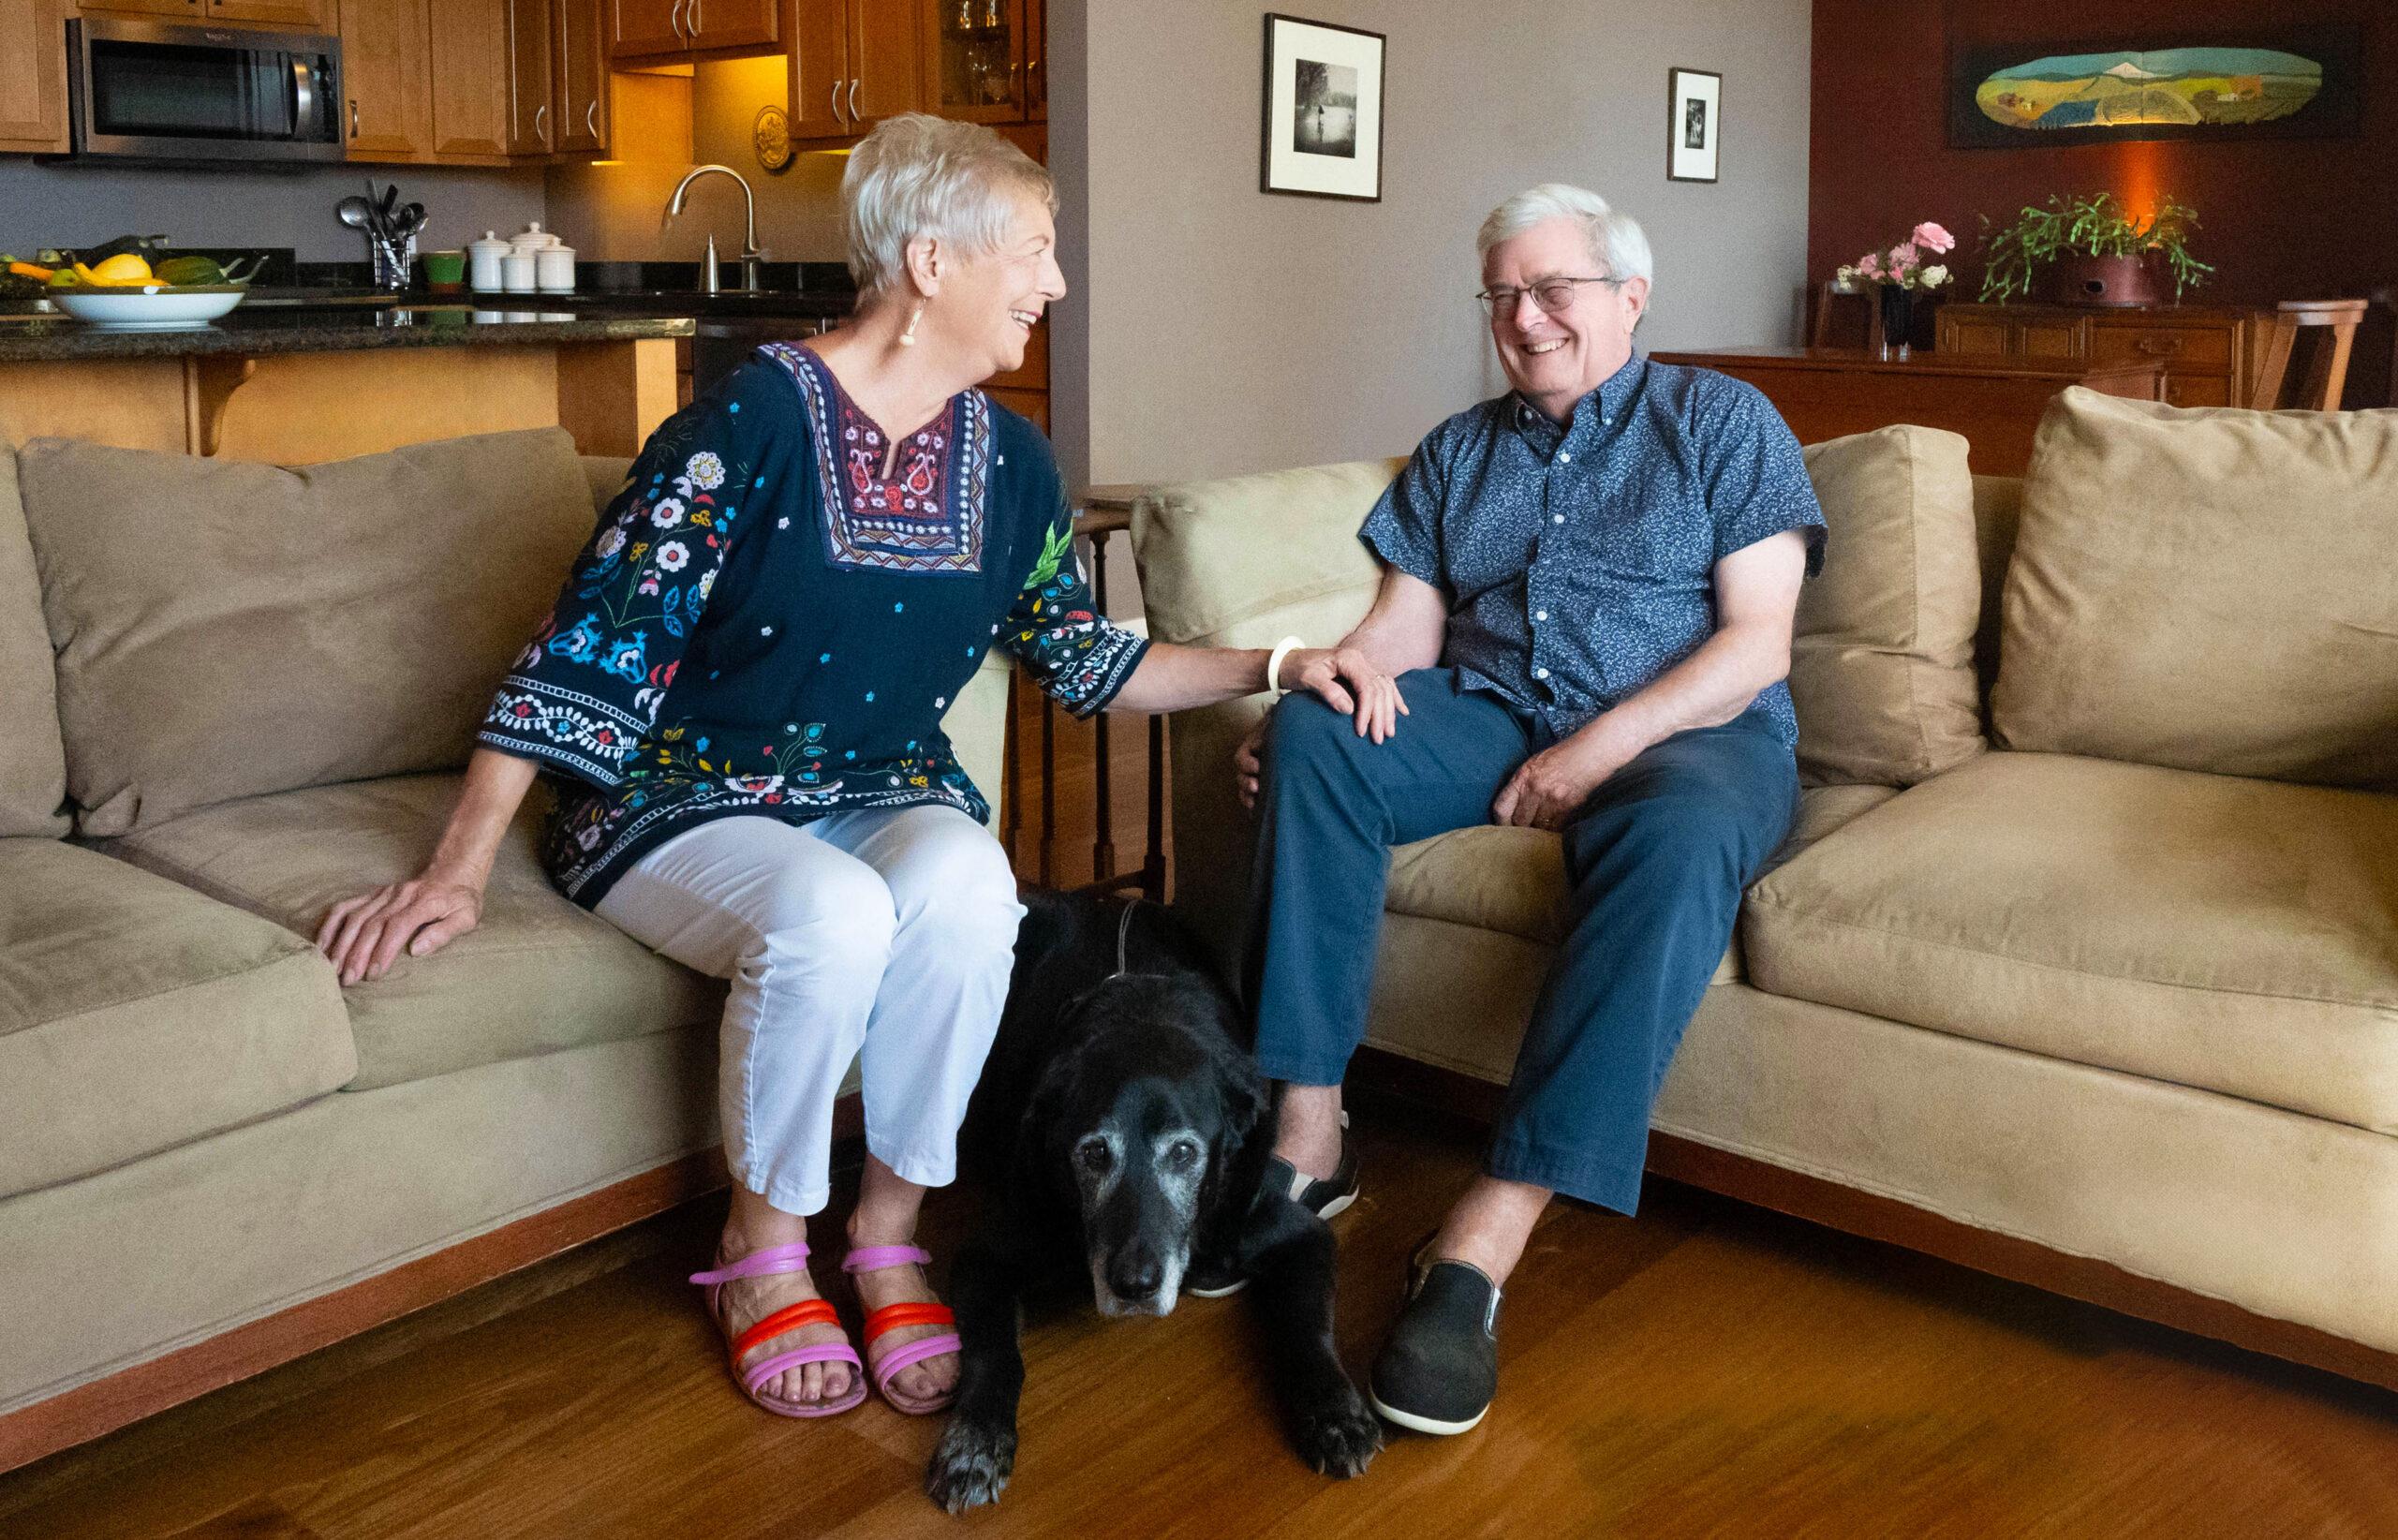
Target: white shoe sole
(1418,1422)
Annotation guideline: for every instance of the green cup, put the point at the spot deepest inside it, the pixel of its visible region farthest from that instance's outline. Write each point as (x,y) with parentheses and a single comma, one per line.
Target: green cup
(445,272)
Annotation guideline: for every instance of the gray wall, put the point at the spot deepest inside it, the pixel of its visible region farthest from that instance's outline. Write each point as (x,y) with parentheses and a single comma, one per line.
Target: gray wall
(1219,329)
(69,204)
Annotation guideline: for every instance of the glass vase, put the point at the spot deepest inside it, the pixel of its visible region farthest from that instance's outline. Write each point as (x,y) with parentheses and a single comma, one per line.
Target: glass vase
(1898,320)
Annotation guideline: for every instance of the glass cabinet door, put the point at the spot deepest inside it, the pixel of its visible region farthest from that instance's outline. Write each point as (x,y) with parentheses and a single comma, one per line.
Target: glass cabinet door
(978,59)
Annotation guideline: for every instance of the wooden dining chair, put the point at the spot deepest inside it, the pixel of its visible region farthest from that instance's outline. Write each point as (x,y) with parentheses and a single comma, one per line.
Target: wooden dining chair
(2327,365)
(1829,290)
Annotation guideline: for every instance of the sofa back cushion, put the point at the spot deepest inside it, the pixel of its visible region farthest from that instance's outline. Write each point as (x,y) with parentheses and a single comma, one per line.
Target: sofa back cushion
(33,761)
(226,628)
(1246,560)
(2209,589)
(1998,510)
(1882,659)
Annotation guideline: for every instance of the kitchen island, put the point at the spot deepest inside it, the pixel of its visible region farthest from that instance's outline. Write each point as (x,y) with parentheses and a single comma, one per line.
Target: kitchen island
(300,378)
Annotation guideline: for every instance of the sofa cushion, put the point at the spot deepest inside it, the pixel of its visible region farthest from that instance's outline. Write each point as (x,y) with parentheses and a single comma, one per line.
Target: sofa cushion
(1513,880)
(1882,659)
(2231,935)
(226,628)
(537,975)
(33,761)
(136,1015)
(1244,560)
(2208,588)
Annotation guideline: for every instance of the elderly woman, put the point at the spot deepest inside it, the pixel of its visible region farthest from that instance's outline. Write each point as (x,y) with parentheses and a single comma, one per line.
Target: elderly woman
(738,700)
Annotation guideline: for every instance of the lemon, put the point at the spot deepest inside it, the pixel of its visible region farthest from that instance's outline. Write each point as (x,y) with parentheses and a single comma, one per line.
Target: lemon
(125,267)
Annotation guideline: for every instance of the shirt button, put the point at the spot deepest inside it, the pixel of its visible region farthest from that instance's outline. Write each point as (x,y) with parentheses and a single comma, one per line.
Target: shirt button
(1607,421)
(1557,518)
(1540,674)
(1564,458)
(1540,615)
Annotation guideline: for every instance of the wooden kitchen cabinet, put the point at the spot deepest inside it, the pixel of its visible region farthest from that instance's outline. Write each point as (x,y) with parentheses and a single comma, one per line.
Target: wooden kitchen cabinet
(471,92)
(2209,352)
(651,30)
(975,59)
(532,115)
(580,58)
(853,63)
(294,15)
(386,57)
(33,76)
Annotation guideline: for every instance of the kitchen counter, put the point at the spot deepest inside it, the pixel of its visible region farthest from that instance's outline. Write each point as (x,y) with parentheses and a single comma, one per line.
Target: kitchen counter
(267,329)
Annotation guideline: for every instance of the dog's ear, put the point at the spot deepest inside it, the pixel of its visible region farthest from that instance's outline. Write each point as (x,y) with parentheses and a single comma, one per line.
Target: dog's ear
(1242,1090)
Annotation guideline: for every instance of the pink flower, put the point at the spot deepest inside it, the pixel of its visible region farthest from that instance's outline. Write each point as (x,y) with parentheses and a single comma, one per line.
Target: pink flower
(1904,256)
(1868,265)
(1933,238)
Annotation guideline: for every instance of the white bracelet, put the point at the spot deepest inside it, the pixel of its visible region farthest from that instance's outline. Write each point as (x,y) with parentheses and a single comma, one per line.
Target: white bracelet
(1274,665)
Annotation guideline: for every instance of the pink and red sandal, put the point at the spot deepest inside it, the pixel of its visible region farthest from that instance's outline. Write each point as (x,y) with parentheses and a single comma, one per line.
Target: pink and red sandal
(873,1259)
(807,1312)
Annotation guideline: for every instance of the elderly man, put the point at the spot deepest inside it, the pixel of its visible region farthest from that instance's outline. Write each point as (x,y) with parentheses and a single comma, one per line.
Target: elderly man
(1585,615)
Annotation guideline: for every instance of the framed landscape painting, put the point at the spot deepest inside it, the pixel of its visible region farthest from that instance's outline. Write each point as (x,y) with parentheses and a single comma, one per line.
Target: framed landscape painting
(1324,110)
(1694,122)
(2288,82)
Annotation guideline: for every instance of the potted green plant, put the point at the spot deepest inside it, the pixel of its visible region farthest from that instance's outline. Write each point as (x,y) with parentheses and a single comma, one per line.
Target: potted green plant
(2094,251)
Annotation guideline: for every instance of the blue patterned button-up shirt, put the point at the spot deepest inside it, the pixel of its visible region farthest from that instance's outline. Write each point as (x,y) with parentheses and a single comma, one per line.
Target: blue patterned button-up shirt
(1579,558)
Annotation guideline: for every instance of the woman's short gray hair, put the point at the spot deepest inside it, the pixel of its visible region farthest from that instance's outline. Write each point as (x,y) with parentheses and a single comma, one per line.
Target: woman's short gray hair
(921,175)
(1617,242)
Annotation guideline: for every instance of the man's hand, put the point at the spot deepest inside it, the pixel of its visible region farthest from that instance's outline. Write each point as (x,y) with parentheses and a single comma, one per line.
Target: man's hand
(1348,682)
(1548,788)
(363,936)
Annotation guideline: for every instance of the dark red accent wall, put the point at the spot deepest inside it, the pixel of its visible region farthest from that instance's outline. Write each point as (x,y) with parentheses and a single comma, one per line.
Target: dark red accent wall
(2284,218)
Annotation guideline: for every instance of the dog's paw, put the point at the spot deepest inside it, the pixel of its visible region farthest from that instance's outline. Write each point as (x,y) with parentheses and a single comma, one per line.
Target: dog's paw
(1340,1437)
(971,1465)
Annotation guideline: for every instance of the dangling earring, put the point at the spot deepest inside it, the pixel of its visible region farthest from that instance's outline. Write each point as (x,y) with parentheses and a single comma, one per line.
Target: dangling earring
(908,338)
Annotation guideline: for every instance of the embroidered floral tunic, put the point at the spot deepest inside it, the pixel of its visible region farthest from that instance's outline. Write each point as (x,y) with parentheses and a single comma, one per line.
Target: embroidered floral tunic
(765,623)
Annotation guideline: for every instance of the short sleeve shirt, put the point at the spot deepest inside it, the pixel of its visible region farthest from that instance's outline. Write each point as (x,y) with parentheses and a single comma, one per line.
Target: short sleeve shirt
(1579,558)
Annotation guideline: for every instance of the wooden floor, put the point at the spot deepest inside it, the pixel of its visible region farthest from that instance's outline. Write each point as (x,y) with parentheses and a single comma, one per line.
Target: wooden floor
(1705,1370)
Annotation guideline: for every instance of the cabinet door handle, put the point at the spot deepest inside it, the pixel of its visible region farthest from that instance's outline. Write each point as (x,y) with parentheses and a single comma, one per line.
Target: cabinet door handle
(854,101)
(540,123)
(1012,68)
(696,23)
(675,20)
(353,117)
(2159,347)
(591,119)
(836,106)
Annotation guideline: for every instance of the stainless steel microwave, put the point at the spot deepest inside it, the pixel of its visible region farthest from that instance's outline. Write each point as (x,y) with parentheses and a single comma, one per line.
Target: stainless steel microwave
(163,91)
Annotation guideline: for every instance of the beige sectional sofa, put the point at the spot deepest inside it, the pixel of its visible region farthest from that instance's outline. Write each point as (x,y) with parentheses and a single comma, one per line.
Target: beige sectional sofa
(230,694)
(2081,964)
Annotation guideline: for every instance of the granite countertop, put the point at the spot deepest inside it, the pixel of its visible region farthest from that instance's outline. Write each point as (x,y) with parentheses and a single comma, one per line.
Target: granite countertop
(262,331)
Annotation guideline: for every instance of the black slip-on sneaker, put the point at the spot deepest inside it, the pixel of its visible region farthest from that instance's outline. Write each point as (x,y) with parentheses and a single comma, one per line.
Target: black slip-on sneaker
(1212,1278)
(1439,1369)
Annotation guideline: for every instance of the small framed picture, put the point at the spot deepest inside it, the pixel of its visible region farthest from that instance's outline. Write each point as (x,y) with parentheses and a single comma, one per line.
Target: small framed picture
(1694,124)
(1324,110)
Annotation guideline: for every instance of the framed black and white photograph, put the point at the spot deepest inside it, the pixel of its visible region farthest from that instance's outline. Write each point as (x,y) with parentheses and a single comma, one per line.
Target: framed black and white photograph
(1324,110)
(1694,124)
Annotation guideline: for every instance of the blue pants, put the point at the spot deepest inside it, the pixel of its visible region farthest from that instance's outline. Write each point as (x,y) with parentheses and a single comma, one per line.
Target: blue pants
(1657,859)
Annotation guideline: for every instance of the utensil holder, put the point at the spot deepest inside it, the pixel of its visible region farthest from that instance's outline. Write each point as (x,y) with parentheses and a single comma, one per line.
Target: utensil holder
(393,261)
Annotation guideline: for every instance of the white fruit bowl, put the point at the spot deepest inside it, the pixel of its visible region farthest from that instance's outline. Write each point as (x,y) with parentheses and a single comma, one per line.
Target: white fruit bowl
(148,307)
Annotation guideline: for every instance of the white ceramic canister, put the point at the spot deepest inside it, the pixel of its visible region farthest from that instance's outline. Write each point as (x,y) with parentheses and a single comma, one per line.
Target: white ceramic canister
(554,269)
(483,259)
(521,274)
(533,238)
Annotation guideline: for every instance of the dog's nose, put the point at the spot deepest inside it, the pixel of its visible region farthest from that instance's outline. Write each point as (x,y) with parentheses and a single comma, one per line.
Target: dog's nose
(1136,1276)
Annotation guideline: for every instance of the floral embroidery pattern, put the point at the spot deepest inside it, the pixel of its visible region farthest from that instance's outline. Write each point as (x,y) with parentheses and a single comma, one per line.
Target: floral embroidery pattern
(1077,657)
(930,513)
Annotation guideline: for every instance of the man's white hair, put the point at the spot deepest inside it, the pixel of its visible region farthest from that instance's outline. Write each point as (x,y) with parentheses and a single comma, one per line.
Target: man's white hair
(921,175)
(1617,242)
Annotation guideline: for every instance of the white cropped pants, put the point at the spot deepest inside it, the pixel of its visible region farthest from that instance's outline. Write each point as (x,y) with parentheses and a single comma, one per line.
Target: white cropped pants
(881,936)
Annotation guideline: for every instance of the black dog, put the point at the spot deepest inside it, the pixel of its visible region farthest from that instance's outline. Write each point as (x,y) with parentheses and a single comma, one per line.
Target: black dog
(1124,1125)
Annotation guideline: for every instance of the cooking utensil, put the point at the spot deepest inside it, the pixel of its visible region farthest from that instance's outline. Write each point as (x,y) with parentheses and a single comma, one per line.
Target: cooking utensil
(356,213)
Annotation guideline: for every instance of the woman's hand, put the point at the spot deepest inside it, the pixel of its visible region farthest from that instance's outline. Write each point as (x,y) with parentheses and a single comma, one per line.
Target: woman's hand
(362,937)
(1248,762)
(1348,682)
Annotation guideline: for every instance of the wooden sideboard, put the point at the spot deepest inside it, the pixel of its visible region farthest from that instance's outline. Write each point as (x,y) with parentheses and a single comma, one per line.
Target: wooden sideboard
(1996,403)
(2209,353)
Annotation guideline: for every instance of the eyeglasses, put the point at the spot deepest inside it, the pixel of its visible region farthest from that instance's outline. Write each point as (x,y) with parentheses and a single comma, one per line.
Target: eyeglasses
(1551,294)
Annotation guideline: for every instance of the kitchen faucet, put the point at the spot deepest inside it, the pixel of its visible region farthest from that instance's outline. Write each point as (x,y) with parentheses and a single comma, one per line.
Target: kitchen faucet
(751,253)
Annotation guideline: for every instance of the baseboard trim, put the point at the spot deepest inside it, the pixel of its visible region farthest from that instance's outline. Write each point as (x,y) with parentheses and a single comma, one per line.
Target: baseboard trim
(1828,1203)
